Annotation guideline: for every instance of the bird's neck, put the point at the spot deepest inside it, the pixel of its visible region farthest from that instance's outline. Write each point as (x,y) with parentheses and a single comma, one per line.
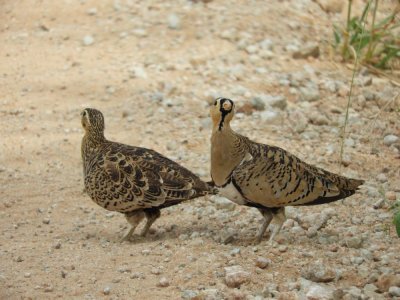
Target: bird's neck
(90,143)
(94,139)
(222,127)
(226,153)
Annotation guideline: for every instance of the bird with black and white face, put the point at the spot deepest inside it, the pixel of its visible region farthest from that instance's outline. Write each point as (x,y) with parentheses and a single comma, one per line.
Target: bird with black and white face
(267,177)
(135,181)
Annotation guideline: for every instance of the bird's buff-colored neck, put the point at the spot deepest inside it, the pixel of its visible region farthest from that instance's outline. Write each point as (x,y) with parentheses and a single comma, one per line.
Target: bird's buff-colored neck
(225,128)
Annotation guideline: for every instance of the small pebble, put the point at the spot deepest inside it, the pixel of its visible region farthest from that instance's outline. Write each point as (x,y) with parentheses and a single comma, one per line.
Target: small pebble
(163,282)
(48,288)
(283,248)
(262,262)
(378,204)
(124,269)
(189,294)
(116,279)
(381,178)
(46,221)
(391,195)
(390,139)
(235,276)
(354,242)
(107,290)
(394,291)
(155,271)
(88,40)
(19,259)
(92,11)
(174,21)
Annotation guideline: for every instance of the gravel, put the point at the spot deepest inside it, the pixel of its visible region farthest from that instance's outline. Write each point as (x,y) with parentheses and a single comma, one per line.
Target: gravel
(159,77)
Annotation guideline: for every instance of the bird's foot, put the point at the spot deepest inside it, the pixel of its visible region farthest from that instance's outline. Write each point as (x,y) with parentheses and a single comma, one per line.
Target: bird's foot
(124,238)
(257,240)
(127,236)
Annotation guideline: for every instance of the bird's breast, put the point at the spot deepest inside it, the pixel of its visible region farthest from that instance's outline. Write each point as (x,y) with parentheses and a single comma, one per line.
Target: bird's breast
(230,192)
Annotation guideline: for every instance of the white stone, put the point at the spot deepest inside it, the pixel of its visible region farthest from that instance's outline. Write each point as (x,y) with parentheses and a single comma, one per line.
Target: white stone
(271,117)
(278,101)
(88,40)
(92,11)
(223,203)
(309,94)
(174,22)
(137,72)
(140,32)
(317,292)
(298,121)
(107,290)
(381,178)
(394,291)
(390,139)
(251,49)
(163,282)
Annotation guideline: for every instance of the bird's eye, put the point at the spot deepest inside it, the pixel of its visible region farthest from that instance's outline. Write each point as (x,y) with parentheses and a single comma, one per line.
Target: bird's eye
(215,103)
(84,113)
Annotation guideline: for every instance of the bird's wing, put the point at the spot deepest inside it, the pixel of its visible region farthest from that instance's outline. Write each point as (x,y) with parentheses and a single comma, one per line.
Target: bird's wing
(275,178)
(127,178)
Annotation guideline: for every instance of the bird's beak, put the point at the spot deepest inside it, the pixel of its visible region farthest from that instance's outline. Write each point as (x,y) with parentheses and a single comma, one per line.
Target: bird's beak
(227,105)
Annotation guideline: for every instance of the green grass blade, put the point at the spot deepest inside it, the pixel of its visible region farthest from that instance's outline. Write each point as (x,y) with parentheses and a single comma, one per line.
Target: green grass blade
(337,35)
(365,11)
(387,57)
(396,222)
(384,21)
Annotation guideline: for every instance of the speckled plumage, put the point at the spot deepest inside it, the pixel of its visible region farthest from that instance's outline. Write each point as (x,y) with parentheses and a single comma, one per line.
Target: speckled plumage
(267,177)
(132,180)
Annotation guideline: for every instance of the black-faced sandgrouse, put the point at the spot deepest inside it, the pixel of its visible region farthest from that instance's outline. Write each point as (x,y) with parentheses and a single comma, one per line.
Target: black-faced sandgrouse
(135,181)
(267,177)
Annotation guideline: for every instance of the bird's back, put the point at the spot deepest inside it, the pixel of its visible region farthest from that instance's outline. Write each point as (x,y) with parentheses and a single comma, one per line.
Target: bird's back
(273,177)
(124,178)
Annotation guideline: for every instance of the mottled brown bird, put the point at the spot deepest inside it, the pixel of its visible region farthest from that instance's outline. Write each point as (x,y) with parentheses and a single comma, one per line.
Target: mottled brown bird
(135,181)
(267,177)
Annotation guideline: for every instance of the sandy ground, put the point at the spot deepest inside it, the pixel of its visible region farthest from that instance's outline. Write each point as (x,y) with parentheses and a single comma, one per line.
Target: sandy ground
(152,69)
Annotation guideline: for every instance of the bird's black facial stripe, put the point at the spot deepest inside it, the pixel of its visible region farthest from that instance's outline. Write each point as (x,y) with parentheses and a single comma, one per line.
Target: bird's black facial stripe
(223,111)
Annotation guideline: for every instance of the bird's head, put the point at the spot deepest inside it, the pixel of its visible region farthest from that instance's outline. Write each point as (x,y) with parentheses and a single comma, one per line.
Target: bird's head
(92,120)
(222,112)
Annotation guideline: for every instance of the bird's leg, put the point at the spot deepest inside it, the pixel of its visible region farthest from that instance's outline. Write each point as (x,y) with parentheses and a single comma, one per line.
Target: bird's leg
(267,214)
(279,215)
(152,214)
(133,219)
